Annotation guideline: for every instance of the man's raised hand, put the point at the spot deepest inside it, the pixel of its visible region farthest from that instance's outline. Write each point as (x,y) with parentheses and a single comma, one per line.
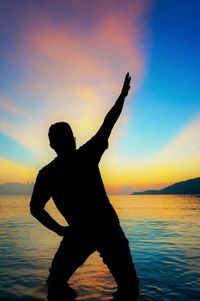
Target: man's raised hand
(126,85)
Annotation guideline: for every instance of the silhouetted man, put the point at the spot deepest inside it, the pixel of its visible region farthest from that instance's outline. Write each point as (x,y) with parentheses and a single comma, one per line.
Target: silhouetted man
(74,182)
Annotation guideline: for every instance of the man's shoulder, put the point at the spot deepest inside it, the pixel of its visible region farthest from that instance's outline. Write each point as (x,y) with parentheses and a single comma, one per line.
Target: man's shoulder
(95,143)
(93,149)
(45,170)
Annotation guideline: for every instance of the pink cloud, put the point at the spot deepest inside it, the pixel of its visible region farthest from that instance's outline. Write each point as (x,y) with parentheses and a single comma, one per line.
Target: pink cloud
(112,46)
(9,106)
(70,57)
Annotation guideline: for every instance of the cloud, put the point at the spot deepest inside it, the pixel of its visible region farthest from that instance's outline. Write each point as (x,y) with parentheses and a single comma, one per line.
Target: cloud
(185,145)
(178,161)
(73,69)
(70,60)
(9,106)
(15,172)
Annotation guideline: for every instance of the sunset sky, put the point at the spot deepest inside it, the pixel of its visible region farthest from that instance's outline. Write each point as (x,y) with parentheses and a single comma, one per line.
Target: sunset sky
(65,60)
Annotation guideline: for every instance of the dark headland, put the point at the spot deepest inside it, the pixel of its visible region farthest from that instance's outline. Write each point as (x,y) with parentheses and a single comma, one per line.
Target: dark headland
(16,188)
(191,186)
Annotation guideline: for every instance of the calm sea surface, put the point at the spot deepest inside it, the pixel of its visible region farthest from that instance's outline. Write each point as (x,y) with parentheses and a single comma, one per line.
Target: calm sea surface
(164,236)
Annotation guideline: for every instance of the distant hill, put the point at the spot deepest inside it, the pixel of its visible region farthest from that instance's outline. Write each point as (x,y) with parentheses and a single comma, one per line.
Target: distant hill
(16,188)
(191,186)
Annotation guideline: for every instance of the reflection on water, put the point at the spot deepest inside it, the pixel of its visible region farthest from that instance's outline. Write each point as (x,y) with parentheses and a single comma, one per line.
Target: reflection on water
(164,238)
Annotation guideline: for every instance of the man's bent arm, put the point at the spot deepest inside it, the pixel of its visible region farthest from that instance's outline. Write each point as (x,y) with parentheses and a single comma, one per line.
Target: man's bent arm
(45,219)
(115,111)
(40,197)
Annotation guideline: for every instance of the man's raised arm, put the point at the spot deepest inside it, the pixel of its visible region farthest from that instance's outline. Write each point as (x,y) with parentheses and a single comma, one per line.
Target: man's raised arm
(115,111)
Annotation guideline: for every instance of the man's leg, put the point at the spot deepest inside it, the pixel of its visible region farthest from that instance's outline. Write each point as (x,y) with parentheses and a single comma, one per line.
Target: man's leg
(71,254)
(115,251)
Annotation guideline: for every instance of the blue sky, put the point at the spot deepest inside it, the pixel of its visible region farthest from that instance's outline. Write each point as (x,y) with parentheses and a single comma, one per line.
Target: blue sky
(170,96)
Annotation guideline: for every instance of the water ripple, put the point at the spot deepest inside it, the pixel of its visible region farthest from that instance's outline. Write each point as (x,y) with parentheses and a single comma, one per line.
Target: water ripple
(164,237)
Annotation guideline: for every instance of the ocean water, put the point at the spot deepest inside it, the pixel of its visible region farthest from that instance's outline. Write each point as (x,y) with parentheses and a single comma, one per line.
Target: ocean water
(164,236)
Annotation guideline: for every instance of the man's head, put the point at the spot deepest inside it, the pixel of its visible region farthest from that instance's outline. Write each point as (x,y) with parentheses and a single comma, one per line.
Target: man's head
(61,138)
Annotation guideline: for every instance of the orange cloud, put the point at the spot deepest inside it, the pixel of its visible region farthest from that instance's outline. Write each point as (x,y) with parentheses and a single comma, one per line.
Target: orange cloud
(15,172)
